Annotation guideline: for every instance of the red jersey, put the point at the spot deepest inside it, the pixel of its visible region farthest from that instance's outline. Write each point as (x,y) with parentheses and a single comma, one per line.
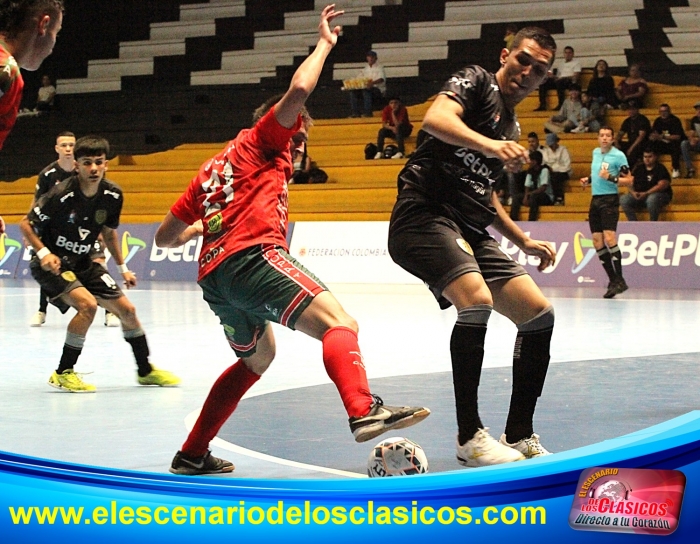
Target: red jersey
(241,194)
(401,116)
(11,86)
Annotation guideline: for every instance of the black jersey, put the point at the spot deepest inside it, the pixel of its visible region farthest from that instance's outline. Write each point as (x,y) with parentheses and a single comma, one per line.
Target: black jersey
(52,175)
(646,179)
(68,222)
(459,178)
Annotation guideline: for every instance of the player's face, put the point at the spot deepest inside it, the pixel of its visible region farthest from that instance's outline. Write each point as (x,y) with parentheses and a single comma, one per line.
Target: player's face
(91,170)
(523,69)
(42,46)
(649,160)
(605,138)
(64,147)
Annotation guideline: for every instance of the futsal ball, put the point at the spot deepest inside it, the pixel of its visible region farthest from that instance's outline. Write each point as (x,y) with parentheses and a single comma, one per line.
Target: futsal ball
(396,456)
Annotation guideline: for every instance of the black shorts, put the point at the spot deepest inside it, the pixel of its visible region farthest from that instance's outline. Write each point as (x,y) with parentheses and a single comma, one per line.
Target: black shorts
(94,278)
(255,286)
(435,249)
(604,212)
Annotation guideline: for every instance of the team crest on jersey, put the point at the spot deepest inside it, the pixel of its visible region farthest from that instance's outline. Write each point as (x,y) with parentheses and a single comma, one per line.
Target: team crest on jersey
(465,246)
(100,216)
(493,123)
(214,224)
(71,217)
(68,275)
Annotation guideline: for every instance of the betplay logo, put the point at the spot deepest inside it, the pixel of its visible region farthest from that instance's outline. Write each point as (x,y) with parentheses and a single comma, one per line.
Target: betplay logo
(8,247)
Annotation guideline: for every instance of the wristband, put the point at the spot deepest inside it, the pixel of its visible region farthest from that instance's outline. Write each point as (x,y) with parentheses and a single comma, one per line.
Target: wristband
(123,269)
(43,252)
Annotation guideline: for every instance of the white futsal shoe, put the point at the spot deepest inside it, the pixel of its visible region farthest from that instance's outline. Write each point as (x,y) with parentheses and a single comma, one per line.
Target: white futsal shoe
(483,450)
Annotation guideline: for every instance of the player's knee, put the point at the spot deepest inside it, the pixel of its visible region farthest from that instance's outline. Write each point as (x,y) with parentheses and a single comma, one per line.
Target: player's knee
(544,319)
(259,362)
(87,308)
(348,322)
(127,312)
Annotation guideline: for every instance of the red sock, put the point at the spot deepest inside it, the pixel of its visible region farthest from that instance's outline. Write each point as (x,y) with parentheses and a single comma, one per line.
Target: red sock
(344,365)
(220,404)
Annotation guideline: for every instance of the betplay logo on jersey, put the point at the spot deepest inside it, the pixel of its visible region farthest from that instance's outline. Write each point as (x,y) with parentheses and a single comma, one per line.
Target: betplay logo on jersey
(628,500)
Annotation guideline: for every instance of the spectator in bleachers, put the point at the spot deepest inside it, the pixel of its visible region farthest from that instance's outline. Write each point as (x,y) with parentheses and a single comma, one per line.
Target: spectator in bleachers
(632,87)
(538,190)
(592,115)
(636,128)
(511,31)
(601,87)
(374,91)
(564,75)
(558,159)
(692,144)
(516,180)
(651,188)
(305,169)
(569,114)
(46,95)
(666,136)
(395,125)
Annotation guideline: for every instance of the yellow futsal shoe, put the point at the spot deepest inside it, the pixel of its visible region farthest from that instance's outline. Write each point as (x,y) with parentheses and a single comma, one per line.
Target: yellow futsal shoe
(70,382)
(162,378)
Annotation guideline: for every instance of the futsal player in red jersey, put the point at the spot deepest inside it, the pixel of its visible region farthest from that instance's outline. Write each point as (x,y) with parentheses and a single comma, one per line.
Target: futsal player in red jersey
(28,30)
(238,202)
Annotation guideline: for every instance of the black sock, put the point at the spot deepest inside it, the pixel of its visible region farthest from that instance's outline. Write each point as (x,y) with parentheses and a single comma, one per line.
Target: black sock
(606,260)
(616,257)
(68,358)
(530,364)
(43,301)
(467,351)
(141,353)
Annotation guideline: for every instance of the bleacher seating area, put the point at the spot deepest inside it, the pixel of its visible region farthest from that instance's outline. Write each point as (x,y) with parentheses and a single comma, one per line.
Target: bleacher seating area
(170,81)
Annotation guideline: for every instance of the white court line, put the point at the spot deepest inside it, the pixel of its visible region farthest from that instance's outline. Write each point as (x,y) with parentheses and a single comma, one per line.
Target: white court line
(192,418)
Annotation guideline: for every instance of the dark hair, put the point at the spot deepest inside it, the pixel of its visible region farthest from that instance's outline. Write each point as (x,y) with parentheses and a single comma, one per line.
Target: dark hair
(543,38)
(15,15)
(393,97)
(633,103)
(66,133)
(650,149)
(533,134)
(536,156)
(90,146)
(664,105)
(569,47)
(266,106)
(606,127)
(595,69)
(575,87)
(512,28)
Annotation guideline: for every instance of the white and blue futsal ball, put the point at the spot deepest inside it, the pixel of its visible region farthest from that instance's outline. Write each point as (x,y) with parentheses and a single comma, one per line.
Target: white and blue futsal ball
(396,456)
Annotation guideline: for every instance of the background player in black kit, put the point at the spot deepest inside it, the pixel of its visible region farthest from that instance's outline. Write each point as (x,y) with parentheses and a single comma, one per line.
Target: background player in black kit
(62,228)
(438,233)
(53,174)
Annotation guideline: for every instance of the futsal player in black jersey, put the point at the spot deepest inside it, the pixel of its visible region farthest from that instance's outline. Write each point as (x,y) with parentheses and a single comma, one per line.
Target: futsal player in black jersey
(438,233)
(62,228)
(53,174)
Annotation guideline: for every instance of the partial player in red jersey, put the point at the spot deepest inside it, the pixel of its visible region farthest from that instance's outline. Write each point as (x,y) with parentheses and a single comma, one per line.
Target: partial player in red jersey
(28,30)
(238,202)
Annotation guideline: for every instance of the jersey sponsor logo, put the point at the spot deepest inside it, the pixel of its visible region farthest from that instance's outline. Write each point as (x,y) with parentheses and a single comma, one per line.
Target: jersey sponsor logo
(113,194)
(83,232)
(215,223)
(462,82)
(67,196)
(42,216)
(474,162)
(100,216)
(131,246)
(73,247)
(8,246)
(464,245)
(210,255)
(68,276)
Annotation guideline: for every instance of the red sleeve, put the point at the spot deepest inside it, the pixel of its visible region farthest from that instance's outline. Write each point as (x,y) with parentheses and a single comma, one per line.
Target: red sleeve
(185,208)
(386,115)
(269,134)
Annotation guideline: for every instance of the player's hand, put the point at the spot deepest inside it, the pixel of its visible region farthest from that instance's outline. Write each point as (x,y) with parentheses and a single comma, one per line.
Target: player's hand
(585,181)
(324,28)
(508,151)
(51,263)
(604,173)
(129,279)
(544,250)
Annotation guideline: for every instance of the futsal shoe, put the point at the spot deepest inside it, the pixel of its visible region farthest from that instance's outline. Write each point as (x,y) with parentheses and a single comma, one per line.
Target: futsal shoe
(381,419)
(483,450)
(530,447)
(38,319)
(70,382)
(112,320)
(162,378)
(193,466)
(620,286)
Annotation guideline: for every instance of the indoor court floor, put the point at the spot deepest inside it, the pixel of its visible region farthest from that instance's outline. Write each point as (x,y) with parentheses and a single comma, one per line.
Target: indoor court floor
(618,366)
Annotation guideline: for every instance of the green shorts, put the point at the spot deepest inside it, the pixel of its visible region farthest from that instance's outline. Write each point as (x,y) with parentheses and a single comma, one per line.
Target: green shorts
(255,286)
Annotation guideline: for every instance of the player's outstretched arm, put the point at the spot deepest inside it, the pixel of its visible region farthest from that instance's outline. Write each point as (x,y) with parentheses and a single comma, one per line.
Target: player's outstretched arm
(48,260)
(305,78)
(174,232)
